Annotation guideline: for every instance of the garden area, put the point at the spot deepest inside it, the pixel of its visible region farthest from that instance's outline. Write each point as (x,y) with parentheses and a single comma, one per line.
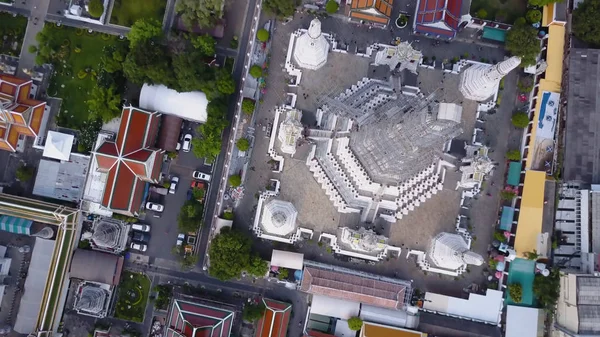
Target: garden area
(12,30)
(132,297)
(505,11)
(126,12)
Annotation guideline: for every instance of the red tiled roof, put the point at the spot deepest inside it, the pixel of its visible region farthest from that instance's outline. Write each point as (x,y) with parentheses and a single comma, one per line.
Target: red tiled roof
(433,11)
(188,319)
(276,319)
(383,7)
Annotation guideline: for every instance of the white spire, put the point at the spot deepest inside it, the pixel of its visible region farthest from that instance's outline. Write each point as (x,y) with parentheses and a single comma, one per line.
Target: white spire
(314,31)
(479,81)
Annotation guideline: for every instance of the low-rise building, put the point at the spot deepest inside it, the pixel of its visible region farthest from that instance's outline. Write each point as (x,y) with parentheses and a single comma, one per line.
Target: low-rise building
(578,306)
(275,321)
(373,12)
(196,317)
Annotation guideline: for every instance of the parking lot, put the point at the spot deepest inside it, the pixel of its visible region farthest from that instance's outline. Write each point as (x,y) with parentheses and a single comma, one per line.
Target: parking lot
(164,225)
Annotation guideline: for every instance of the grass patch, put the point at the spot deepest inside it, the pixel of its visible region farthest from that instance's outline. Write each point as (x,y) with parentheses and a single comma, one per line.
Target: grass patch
(85,53)
(132,297)
(127,12)
(13,28)
(506,11)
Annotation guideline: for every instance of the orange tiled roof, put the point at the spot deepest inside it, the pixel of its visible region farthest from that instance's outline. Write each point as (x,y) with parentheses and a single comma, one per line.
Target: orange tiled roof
(276,319)
(383,7)
(368,17)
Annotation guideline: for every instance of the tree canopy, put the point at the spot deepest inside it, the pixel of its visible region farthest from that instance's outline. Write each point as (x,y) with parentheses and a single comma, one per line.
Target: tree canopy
(104,103)
(513,155)
(190,216)
(280,8)
(520,120)
(515,291)
(262,35)
(229,253)
(143,30)
(585,22)
(235,180)
(149,62)
(204,43)
(332,6)
(255,71)
(541,3)
(547,289)
(533,15)
(204,13)
(243,144)
(225,82)
(522,41)
(248,106)
(253,312)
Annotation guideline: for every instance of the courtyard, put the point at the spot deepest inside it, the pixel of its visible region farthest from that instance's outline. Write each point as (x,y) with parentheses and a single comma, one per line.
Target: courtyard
(315,210)
(127,12)
(132,296)
(12,30)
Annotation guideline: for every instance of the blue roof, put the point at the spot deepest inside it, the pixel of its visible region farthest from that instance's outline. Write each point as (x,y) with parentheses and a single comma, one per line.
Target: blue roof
(508,216)
(15,225)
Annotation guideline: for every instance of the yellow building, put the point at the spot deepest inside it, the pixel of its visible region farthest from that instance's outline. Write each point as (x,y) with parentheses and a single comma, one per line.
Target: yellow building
(529,235)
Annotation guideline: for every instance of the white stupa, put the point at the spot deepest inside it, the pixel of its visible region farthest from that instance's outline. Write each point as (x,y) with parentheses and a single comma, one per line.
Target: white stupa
(311,48)
(450,251)
(279,218)
(479,82)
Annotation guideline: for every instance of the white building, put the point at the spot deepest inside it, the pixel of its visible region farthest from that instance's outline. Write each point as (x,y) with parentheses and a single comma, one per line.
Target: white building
(290,131)
(448,254)
(362,243)
(480,308)
(476,166)
(276,220)
(403,56)
(524,322)
(190,106)
(578,306)
(311,48)
(480,81)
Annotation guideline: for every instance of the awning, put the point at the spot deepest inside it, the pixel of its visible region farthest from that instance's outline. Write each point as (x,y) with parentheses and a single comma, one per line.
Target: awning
(494,34)
(508,216)
(285,259)
(15,225)
(514,173)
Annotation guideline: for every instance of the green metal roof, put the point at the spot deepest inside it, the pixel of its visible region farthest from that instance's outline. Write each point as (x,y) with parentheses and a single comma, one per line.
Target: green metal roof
(508,215)
(494,34)
(514,173)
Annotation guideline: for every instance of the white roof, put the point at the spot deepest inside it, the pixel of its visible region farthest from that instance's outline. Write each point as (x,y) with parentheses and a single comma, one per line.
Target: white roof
(279,217)
(281,258)
(478,307)
(187,105)
(334,307)
(524,322)
(58,145)
(450,111)
(399,318)
(311,48)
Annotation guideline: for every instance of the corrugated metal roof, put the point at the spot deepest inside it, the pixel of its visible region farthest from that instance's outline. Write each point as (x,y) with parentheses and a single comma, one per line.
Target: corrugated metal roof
(107,268)
(169,132)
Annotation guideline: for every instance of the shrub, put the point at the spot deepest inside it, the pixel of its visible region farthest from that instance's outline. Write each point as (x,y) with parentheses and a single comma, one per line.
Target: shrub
(507,195)
(255,71)
(514,155)
(482,14)
(355,323)
(499,236)
(262,35)
(81,74)
(332,6)
(95,8)
(533,16)
(235,180)
(520,120)
(227,215)
(32,49)
(77,50)
(243,144)
(234,42)
(24,173)
(520,21)
(516,292)
(248,106)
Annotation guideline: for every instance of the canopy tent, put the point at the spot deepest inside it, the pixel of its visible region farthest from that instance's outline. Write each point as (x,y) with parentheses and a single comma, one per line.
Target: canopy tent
(58,145)
(514,173)
(289,260)
(15,225)
(508,216)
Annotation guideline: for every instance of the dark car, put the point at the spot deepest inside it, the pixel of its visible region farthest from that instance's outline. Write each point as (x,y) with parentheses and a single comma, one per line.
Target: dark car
(141,237)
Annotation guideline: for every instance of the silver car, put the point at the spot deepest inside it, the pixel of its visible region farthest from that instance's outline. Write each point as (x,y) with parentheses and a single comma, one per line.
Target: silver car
(139,246)
(140,227)
(201,176)
(173,187)
(187,143)
(155,207)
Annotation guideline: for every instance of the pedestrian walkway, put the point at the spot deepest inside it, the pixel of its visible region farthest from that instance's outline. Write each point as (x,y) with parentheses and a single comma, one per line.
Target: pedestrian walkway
(35,24)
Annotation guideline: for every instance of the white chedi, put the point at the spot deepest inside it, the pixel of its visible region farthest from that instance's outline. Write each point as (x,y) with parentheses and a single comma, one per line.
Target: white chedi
(450,251)
(480,81)
(311,48)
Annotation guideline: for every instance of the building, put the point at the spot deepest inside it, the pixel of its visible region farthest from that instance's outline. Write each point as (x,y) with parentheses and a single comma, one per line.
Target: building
(378,330)
(107,267)
(481,81)
(583,117)
(438,18)
(524,322)
(529,236)
(373,12)
(311,48)
(194,317)
(190,106)
(275,321)
(479,308)
(362,243)
(92,299)
(130,161)
(450,253)
(62,180)
(20,115)
(108,235)
(276,220)
(290,131)
(578,307)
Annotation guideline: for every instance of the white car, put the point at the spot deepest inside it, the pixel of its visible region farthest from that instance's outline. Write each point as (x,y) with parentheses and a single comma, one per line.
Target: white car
(201,176)
(155,207)
(138,246)
(187,143)
(180,238)
(140,227)
(173,187)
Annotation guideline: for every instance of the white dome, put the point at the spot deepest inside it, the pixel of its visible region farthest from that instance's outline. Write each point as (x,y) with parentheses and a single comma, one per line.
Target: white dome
(279,218)
(311,48)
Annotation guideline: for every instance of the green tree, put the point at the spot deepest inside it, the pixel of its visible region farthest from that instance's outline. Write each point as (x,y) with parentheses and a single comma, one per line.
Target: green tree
(24,173)
(188,261)
(229,253)
(248,106)
(204,13)
(235,180)
(104,103)
(280,8)
(227,215)
(585,22)
(243,144)
(113,62)
(149,62)
(482,14)
(355,323)
(198,193)
(257,267)
(253,312)
(547,289)
(507,195)
(205,44)
(225,82)
(32,49)
(532,255)
(533,16)
(332,6)
(165,292)
(514,155)
(541,3)
(143,30)
(522,41)
(520,120)
(515,291)
(262,35)
(283,273)
(95,8)
(255,71)
(190,216)
(521,21)
(190,73)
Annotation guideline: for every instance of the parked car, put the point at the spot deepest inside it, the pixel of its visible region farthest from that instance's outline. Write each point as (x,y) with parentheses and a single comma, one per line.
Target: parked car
(187,143)
(180,238)
(140,227)
(155,207)
(201,176)
(140,237)
(138,246)
(173,187)
(159,190)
